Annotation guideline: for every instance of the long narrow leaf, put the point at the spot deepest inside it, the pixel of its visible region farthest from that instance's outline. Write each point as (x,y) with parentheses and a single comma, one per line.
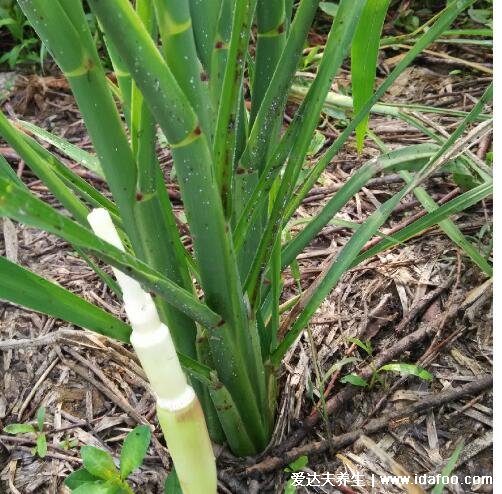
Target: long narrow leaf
(21,206)
(22,287)
(364,58)
(442,22)
(460,203)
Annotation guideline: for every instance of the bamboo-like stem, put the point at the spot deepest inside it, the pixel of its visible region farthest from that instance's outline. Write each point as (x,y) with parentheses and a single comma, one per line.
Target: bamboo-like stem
(271,37)
(226,123)
(75,52)
(337,45)
(167,258)
(239,370)
(205,15)
(274,101)
(175,28)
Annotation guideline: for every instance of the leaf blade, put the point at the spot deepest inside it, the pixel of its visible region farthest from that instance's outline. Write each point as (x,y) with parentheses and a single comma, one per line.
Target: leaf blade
(134,449)
(365,48)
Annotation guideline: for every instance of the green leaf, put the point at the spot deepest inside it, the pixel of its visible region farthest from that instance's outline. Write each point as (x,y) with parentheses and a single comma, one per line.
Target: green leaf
(464,201)
(40,418)
(20,286)
(99,463)
(289,488)
(337,366)
(22,206)
(329,8)
(134,449)
(354,379)
(78,155)
(172,484)
(300,463)
(448,469)
(481,16)
(18,428)
(41,445)
(365,48)
(316,144)
(407,369)
(365,346)
(100,487)
(78,478)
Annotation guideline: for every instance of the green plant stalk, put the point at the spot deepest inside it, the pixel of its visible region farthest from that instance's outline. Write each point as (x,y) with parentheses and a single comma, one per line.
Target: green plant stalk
(185,432)
(270,41)
(123,177)
(205,15)
(219,49)
(398,110)
(213,419)
(193,162)
(123,76)
(230,419)
(175,28)
(91,91)
(271,37)
(274,101)
(250,165)
(167,257)
(178,408)
(338,43)
(225,139)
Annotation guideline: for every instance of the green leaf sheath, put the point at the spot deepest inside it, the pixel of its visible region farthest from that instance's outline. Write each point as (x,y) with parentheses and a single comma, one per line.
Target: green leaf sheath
(337,46)
(219,49)
(166,256)
(270,41)
(22,287)
(204,15)
(175,28)
(68,39)
(79,61)
(274,101)
(231,97)
(364,56)
(123,76)
(193,163)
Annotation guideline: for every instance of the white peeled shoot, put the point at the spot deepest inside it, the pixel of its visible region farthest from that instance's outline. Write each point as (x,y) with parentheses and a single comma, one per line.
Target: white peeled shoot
(178,409)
